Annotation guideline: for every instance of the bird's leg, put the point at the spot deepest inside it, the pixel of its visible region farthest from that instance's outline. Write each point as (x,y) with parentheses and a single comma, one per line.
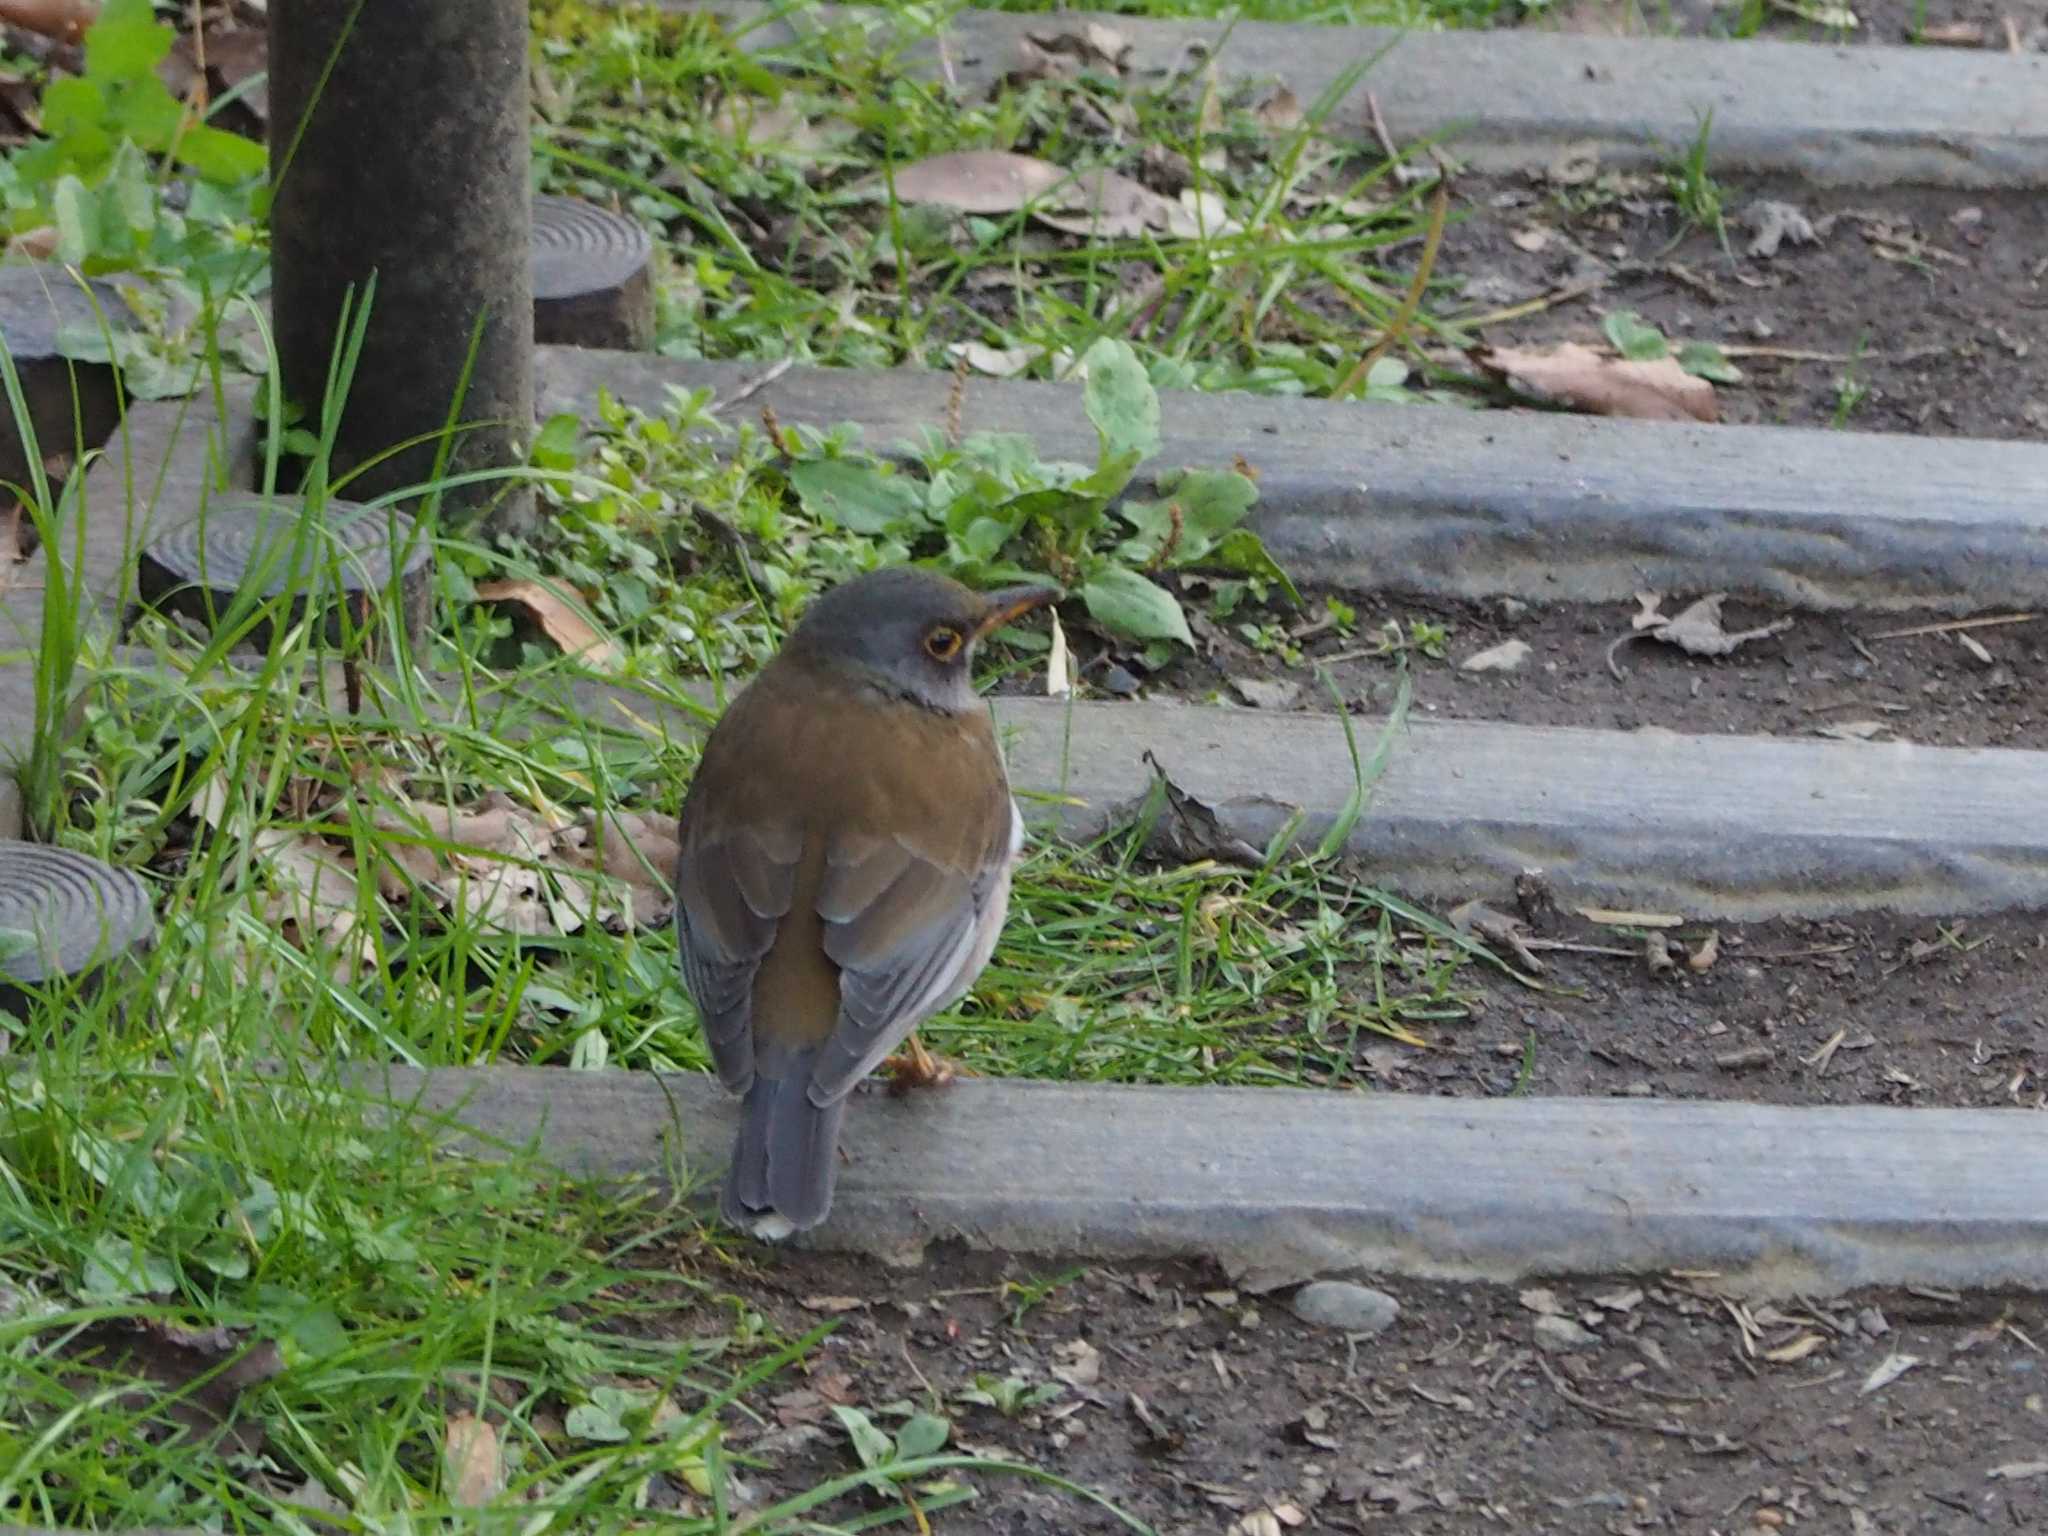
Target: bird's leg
(916,1067)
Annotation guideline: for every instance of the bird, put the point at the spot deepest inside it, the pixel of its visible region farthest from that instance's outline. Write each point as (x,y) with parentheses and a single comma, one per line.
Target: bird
(846,848)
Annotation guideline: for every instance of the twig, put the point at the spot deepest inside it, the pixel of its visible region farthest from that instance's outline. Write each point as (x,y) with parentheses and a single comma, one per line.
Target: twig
(753,386)
(1537,305)
(1952,625)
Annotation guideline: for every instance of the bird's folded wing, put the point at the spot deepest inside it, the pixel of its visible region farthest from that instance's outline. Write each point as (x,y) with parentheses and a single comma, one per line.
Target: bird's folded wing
(733,886)
(901,923)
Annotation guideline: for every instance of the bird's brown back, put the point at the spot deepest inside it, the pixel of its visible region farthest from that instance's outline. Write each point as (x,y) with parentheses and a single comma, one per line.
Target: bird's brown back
(842,764)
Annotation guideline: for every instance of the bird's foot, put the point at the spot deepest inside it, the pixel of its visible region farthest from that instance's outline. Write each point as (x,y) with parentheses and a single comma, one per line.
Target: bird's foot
(916,1067)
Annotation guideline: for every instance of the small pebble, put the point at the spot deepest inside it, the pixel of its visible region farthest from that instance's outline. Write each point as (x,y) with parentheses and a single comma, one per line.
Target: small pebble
(1341,1304)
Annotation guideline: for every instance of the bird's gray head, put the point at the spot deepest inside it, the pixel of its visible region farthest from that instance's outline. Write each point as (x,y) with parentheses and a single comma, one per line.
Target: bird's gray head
(909,631)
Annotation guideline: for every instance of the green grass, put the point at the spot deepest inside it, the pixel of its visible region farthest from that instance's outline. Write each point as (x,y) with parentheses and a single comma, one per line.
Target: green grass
(366,856)
(782,236)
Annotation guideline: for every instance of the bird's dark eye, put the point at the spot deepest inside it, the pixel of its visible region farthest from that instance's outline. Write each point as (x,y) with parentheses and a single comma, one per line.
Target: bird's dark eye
(942,642)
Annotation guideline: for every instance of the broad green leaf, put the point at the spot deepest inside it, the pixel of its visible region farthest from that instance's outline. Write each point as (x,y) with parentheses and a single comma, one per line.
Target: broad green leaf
(77,213)
(14,943)
(220,156)
(1122,404)
(71,105)
(858,497)
(1126,604)
(1632,338)
(923,1435)
(595,1421)
(554,446)
(869,1443)
(1242,550)
(126,42)
(146,112)
(128,192)
(1705,360)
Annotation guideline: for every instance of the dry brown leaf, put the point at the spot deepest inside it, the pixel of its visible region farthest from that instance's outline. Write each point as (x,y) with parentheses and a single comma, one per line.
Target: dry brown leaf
(65,20)
(1575,375)
(996,362)
(558,620)
(1280,112)
(978,181)
(1788,1354)
(1697,629)
(1106,205)
(1953,34)
(472,1472)
(1077,1362)
(1703,958)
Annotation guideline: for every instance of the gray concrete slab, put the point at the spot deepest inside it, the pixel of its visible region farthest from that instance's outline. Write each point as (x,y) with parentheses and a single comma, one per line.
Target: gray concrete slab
(1509,99)
(1458,503)
(1281,1184)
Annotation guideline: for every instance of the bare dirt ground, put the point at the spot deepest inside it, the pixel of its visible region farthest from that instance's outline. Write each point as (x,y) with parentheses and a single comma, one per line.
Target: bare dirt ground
(1910,310)
(1597,1406)
(2001,25)
(1840,677)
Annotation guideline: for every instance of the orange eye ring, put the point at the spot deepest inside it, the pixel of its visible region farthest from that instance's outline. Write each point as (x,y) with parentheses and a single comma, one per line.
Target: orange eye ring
(942,642)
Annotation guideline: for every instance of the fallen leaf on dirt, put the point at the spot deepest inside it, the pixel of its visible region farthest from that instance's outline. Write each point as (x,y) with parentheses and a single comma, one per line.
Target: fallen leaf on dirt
(1496,928)
(996,362)
(1059,661)
(1532,239)
(1797,1350)
(191,1378)
(978,180)
(558,620)
(1259,1523)
(1267,692)
(1658,389)
(1703,958)
(2019,1471)
(1952,34)
(1975,647)
(1107,205)
(1696,630)
(472,1472)
(1853,730)
(1772,223)
(1626,1299)
(1836,18)
(638,849)
(1189,830)
(1541,1300)
(1889,1370)
(1575,164)
(1280,112)
(832,1303)
(1077,1362)
(1505,657)
(1094,43)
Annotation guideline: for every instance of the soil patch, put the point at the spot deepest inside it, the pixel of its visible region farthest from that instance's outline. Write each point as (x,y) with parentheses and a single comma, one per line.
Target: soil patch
(1606,1405)
(1828,675)
(1966,24)
(1885,1011)
(1911,310)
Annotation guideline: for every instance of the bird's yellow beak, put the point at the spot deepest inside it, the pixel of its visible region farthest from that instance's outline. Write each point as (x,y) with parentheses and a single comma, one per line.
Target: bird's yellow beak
(1010,603)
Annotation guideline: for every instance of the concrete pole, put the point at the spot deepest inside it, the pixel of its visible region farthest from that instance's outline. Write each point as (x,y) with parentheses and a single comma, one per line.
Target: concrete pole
(411,161)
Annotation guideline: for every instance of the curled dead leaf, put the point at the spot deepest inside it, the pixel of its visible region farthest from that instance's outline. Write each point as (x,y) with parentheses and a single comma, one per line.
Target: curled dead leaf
(472,1472)
(558,619)
(1657,389)
(978,181)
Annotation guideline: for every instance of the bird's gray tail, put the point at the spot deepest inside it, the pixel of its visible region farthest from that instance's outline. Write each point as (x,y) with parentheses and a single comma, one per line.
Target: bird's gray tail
(786,1158)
